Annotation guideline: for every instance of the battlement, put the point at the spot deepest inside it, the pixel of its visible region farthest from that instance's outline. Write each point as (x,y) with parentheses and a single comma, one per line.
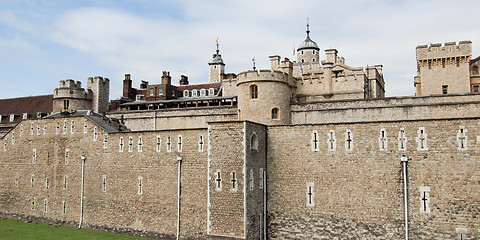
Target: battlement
(448,50)
(262,75)
(70,84)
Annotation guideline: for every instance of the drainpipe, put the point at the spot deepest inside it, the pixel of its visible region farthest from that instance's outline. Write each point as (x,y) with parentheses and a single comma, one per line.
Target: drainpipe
(179,160)
(404,161)
(81,193)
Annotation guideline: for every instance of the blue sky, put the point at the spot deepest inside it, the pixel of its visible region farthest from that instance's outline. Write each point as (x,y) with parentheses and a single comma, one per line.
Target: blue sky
(44,41)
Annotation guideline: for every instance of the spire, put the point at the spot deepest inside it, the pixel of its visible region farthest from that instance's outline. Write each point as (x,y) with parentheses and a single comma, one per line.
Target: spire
(217,47)
(217,58)
(308,27)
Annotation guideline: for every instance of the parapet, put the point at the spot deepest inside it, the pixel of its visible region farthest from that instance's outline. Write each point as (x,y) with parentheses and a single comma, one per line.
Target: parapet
(262,75)
(70,89)
(449,49)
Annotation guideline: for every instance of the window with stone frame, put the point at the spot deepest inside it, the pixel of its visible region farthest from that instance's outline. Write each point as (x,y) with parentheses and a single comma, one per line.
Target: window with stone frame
(21,129)
(186,93)
(254,142)
(461,233)
(16,179)
(120,145)
(57,130)
(65,178)
(251,182)
(201,143)
(38,128)
(85,126)
(310,194)
(5,145)
(260,178)
(105,141)
(475,70)
(130,144)
(421,139)
(402,140)
(332,141)
(424,199)
(159,144)
(31,128)
(34,156)
(462,140)
(140,185)
(47,183)
(64,207)
(211,91)
(104,183)
(444,89)
(45,205)
(95,134)
(13,138)
(72,127)
(234,181)
(253,91)
(67,155)
(169,144)
(275,114)
(348,140)
(179,143)
(383,140)
(314,141)
(140,144)
(44,128)
(32,180)
(218,181)
(65,127)
(33,203)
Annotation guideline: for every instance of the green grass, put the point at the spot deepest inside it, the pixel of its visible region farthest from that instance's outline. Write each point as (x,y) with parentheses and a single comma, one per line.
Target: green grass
(17,230)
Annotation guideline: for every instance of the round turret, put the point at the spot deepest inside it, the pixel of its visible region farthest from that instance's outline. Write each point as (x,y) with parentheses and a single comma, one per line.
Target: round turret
(264,97)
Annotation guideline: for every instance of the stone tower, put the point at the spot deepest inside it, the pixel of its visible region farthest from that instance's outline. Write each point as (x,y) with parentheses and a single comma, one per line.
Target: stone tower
(264,96)
(443,69)
(308,50)
(217,67)
(100,88)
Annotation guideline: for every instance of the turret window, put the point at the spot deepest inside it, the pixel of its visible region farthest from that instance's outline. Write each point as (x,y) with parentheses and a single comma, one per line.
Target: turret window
(275,114)
(475,70)
(254,91)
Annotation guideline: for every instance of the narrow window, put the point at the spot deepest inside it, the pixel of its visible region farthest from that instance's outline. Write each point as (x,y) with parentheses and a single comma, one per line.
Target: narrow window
(34,156)
(444,89)
(254,142)
(32,179)
(31,128)
(203,92)
(67,153)
(95,134)
(179,144)
(421,139)
(186,93)
(424,199)
(65,182)
(275,113)
(21,129)
(234,182)
(45,204)
(200,143)
(383,140)
(194,93)
(310,194)
(169,144)
(348,140)
(57,130)
(218,181)
(25,116)
(402,140)
(140,185)
(47,183)
(16,180)
(65,127)
(104,183)
(13,138)
(64,207)
(33,203)
(462,138)
(443,63)
(130,144)
(44,128)
(475,70)
(160,91)
(72,127)
(38,128)
(5,145)
(211,91)
(159,143)
(430,64)
(458,62)
(120,145)
(251,180)
(151,92)
(85,126)
(105,141)
(254,91)
(332,141)
(140,144)
(314,141)
(475,88)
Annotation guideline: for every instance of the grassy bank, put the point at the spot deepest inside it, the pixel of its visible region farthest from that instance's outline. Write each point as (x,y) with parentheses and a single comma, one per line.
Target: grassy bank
(17,230)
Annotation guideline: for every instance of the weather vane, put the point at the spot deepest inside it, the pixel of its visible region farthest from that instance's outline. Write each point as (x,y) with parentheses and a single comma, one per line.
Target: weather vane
(253,60)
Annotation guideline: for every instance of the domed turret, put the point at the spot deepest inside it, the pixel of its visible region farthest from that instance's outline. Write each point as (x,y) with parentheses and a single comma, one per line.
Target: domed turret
(308,50)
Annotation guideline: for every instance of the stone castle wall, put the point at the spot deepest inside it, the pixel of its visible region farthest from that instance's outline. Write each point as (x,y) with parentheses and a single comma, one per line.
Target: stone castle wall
(358,193)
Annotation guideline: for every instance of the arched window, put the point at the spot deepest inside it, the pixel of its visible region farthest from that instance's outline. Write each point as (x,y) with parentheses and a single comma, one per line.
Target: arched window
(254,91)
(186,93)
(254,142)
(275,113)
(475,70)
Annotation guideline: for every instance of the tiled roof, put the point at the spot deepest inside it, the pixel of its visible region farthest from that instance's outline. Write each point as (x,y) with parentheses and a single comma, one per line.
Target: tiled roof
(30,105)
